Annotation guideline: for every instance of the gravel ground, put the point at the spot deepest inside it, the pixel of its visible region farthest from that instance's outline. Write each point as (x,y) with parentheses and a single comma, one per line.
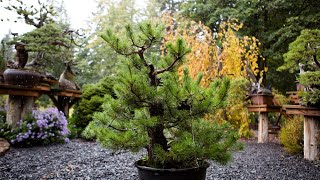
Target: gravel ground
(87,160)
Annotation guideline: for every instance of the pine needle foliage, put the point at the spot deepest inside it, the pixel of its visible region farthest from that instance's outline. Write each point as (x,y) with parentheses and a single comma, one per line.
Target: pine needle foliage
(157,110)
(48,46)
(304,55)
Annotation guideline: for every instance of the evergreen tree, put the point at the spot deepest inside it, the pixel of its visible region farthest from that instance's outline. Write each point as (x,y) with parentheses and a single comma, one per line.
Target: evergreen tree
(304,51)
(157,110)
(48,47)
(7,50)
(36,15)
(52,42)
(304,55)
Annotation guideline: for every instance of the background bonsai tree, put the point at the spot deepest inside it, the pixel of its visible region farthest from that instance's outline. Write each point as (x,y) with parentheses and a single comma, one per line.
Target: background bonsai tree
(157,110)
(50,42)
(46,45)
(304,56)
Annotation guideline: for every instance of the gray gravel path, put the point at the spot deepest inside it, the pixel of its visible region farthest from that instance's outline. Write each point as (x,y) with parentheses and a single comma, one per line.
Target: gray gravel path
(87,160)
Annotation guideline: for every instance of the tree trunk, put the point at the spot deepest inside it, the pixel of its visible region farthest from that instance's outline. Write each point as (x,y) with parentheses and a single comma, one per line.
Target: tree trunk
(156,137)
(155,134)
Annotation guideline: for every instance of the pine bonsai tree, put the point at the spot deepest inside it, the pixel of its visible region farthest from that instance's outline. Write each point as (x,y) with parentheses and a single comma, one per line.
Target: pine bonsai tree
(304,55)
(46,45)
(158,111)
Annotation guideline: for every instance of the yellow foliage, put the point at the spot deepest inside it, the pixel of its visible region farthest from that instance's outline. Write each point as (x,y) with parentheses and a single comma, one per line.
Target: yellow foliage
(218,55)
(199,39)
(238,55)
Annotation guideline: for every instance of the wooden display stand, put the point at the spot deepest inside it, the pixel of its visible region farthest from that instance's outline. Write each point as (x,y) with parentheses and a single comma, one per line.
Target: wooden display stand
(311,129)
(263,119)
(64,99)
(21,100)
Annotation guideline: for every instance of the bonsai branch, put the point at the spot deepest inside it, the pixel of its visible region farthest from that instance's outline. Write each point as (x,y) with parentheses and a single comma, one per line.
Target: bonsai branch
(177,59)
(140,99)
(121,130)
(316,61)
(59,43)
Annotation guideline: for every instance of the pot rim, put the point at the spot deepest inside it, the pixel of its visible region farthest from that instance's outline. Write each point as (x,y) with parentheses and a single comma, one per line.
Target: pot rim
(136,164)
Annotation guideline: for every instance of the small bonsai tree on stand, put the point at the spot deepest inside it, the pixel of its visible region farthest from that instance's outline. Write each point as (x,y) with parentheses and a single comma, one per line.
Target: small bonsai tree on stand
(158,111)
(304,56)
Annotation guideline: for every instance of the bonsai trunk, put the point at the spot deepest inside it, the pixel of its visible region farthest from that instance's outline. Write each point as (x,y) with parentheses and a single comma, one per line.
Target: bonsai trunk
(155,133)
(156,137)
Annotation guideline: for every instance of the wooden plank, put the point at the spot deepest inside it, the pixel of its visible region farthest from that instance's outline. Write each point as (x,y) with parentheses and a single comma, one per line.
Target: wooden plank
(34,88)
(67,94)
(263,128)
(302,110)
(72,91)
(263,108)
(311,134)
(292,92)
(18,92)
(66,90)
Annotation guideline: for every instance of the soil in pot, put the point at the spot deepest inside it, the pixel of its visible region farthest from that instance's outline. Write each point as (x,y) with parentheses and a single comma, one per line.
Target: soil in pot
(149,173)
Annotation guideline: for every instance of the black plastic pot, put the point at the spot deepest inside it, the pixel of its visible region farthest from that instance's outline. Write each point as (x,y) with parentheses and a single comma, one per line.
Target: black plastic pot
(149,173)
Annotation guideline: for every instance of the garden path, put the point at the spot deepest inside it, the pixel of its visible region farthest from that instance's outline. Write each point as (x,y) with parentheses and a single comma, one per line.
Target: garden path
(79,159)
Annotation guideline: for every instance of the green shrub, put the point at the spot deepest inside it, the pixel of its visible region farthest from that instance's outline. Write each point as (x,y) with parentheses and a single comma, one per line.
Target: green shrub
(91,101)
(279,98)
(4,128)
(291,135)
(90,132)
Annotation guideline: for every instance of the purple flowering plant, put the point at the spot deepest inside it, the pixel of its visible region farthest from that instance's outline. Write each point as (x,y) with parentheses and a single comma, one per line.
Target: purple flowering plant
(41,127)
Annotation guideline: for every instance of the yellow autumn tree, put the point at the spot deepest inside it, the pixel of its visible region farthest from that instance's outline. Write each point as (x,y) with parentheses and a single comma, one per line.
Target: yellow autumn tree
(199,38)
(218,55)
(239,56)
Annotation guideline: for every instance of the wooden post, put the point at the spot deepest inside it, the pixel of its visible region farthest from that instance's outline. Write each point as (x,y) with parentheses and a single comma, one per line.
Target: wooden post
(64,105)
(18,107)
(14,104)
(263,127)
(311,137)
(27,105)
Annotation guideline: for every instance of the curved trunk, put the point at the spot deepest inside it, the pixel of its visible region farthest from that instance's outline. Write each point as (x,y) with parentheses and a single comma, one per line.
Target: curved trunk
(155,133)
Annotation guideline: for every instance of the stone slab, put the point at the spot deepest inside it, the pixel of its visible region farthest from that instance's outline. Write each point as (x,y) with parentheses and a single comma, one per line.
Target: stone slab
(4,146)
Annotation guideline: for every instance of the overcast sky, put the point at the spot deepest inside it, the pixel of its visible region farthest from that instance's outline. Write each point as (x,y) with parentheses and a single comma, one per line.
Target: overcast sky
(78,11)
